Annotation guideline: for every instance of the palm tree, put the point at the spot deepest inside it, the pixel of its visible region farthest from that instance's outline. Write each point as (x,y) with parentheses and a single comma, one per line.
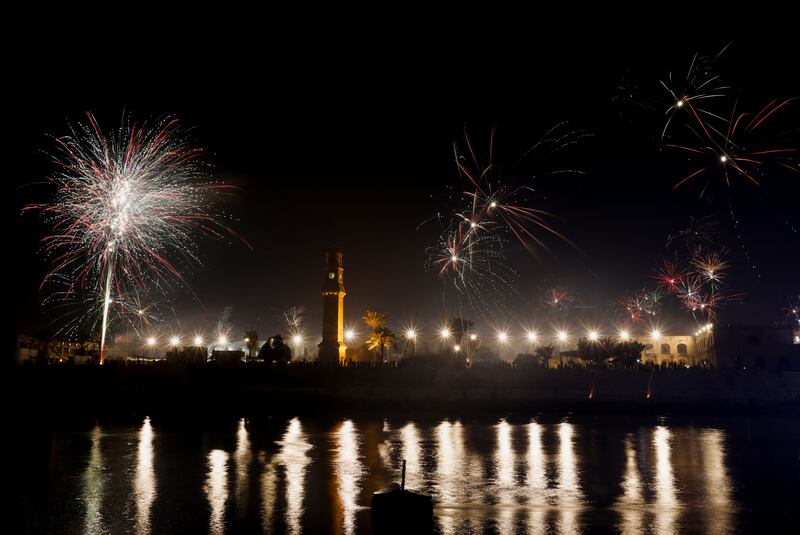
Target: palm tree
(374,320)
(382,337)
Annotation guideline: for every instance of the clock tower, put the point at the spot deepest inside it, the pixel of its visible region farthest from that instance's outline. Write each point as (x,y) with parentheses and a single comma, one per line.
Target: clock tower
(332,348)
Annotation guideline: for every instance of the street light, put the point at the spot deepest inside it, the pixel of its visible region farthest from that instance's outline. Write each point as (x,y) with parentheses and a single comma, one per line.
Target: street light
(656,334)
(349,335)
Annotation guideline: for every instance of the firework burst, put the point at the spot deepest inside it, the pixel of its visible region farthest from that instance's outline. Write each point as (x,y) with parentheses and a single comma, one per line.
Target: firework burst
(127,211)
(642,304)
(689,95)
(295,318)
(494,208)
(475,266)
(738,151)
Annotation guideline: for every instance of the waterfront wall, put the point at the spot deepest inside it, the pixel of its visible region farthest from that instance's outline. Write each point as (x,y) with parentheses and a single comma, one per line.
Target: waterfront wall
(204,388)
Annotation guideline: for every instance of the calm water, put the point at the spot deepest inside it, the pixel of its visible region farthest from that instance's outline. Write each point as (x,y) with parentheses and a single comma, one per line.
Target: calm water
(504,475)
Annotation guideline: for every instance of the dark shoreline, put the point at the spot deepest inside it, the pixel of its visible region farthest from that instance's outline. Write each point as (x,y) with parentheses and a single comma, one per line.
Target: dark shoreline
(198,392)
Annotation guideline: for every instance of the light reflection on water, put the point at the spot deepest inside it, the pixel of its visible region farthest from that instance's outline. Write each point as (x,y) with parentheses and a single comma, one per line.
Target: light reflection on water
(144,485)
(719,508)
(666,501)
(348,470)
(242,458)
(217,490)
(529,478)
(93,486)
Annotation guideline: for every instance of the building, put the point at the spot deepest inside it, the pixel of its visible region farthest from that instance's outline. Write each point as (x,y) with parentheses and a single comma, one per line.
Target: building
(749,347)
(32,349)
(660,350)
(669,349)
(332,349)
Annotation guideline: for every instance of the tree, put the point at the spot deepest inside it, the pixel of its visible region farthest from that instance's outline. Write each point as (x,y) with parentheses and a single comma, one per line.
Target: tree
(596,351)
(251,342)
(275,350)
(543,354)
(382,337)
(281,352)
(374,320)
(627,353)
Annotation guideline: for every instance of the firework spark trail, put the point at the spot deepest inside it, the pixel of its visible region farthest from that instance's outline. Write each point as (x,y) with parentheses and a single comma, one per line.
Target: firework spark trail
(475,266)
(701,84)
(294,318)
(736,152)
(128,208)
(494,205)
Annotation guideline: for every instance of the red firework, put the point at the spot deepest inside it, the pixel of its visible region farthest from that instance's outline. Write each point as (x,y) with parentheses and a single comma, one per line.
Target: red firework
(736,152)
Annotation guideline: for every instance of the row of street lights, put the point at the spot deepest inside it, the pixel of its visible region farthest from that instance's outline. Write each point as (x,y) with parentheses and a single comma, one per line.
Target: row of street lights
(502,337)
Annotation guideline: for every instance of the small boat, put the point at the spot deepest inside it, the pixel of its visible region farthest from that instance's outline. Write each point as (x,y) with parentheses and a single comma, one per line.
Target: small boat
(397,510)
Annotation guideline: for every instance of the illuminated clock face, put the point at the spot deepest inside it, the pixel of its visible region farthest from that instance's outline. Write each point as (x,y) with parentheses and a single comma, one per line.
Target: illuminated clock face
(331,275)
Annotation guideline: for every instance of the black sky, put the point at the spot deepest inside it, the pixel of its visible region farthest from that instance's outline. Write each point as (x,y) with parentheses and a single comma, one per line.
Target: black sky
(350,143)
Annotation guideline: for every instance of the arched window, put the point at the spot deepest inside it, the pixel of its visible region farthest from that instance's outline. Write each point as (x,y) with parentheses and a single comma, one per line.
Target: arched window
(665,350)
(682,349)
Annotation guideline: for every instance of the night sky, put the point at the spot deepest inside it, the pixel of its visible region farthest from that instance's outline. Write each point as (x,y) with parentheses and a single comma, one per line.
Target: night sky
(349,143)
